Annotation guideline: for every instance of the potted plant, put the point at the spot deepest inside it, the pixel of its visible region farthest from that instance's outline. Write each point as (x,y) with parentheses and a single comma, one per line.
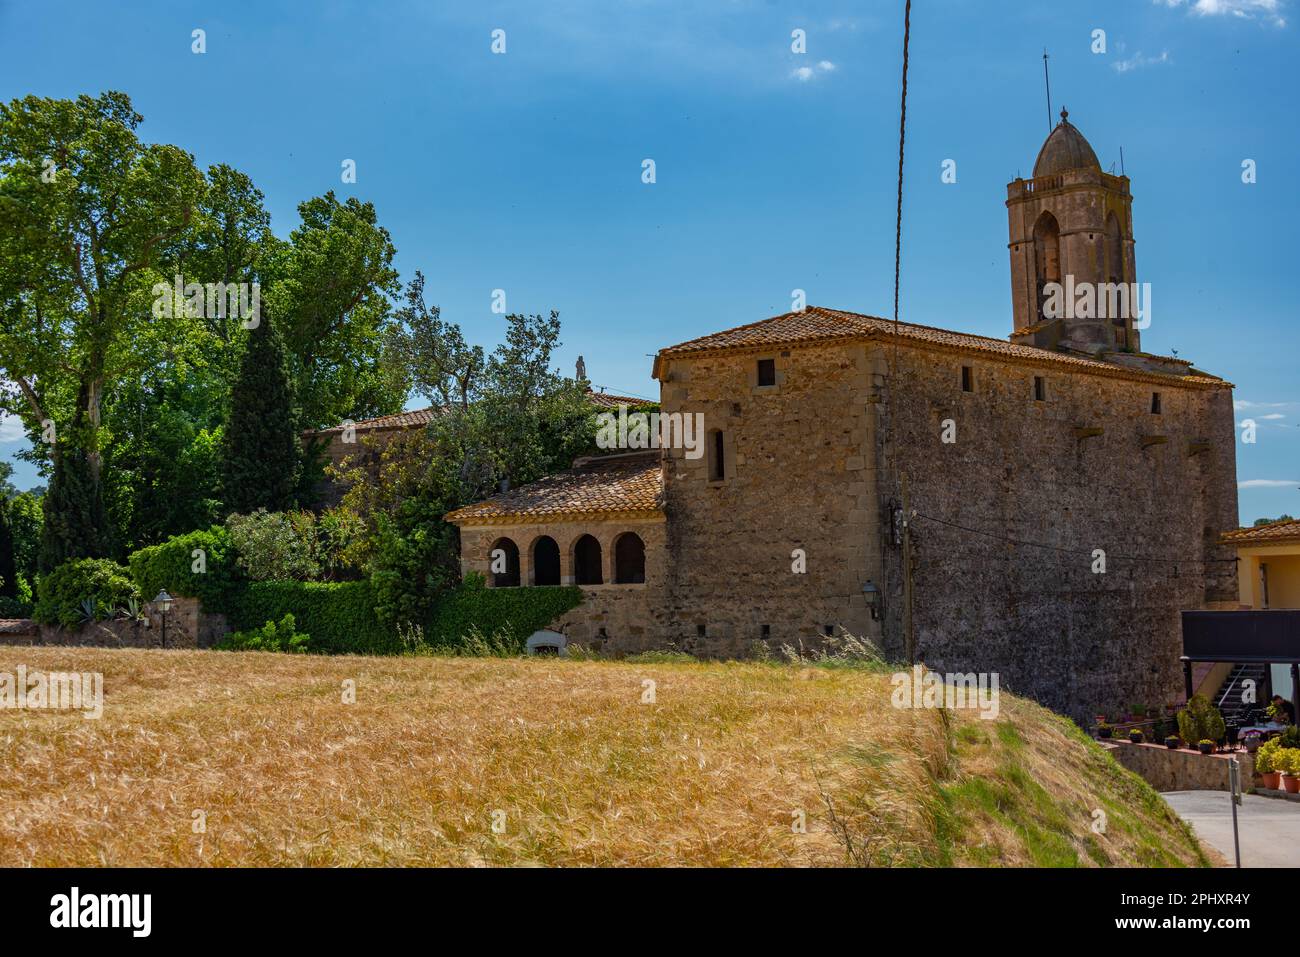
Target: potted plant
(1104,730)
(1135,736)
(1205,746)
(1266,765)
(1172,742)
(1288,759)
(1200,721)
(1251,743)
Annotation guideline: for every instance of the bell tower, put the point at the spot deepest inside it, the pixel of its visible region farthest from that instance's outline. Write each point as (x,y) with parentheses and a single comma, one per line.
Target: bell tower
(1071,246)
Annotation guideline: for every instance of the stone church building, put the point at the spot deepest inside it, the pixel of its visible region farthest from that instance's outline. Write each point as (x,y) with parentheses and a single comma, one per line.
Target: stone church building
(1066,492)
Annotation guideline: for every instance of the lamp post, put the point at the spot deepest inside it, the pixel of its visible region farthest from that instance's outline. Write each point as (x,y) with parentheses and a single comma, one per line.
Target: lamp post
(872,594)
(163,602)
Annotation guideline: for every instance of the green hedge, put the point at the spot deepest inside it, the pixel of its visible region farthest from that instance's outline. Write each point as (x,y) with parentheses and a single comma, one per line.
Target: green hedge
(339,616)
(514,612)
(60,594)
(172,565)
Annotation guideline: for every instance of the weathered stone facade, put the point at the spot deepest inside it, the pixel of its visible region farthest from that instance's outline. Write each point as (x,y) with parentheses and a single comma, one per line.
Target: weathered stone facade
(1152,491)
(1065,501)
(615,617)
(800,477)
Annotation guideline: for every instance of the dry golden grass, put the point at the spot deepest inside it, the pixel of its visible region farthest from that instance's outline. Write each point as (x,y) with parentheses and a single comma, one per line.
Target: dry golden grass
(576,768)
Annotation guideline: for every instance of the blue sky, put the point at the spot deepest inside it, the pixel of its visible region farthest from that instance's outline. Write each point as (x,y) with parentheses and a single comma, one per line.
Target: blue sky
(775,170)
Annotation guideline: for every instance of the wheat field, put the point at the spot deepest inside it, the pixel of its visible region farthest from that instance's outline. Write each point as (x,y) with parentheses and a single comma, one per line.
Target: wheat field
(206,758)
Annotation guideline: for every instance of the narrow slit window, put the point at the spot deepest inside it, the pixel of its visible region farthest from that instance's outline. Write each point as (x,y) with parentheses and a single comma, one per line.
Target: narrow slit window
(967,379)
(1040,388)
(699,631)
(1155,403)
(717,462)
(767,631)
(767,372)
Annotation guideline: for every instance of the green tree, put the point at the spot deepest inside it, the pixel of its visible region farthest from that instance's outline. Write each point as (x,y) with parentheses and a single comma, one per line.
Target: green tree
(25,516)
(261,454)
(330,288)
(87,212)
(8,558)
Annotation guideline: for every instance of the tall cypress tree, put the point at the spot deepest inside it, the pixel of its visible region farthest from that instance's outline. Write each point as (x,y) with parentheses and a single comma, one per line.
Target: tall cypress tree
(262,456)
(75,522)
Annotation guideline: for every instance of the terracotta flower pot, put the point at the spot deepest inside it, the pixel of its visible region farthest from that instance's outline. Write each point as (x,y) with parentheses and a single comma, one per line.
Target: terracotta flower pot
(1272,779)
(1291,784)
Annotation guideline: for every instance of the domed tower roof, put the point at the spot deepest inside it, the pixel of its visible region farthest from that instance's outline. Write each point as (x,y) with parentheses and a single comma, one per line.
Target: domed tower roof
(1064,149)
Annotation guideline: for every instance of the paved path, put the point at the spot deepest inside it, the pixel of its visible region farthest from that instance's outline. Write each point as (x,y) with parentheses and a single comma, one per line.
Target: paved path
(1269,827)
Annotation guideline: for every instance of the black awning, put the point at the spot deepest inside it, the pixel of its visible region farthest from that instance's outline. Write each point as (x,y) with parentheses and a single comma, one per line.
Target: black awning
(1242,636)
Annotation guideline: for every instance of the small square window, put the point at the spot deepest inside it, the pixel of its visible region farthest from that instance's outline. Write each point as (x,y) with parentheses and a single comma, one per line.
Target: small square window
(828,630)
(1040,388)
(967,379)
(767,631)
(699,631)
(1155,403)
(767,372)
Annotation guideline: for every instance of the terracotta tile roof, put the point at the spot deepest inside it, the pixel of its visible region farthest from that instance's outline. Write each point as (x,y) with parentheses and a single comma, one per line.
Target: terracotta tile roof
(817,324)
(416,417)
(1274,533)
(609,400)
(626,483)
(398,420)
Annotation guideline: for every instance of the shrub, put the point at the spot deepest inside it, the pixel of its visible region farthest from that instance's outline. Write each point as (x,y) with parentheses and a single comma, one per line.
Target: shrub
(1290,737)
(1266,757)
(340,616)
(82,588)
(1200,719)
(275,546)
(1288,760)
(14,607)
(283,636)
(508,614)
(197,565)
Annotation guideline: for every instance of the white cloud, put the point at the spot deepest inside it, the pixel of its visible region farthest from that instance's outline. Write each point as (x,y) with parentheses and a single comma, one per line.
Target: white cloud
(1268,10)
(1269,483)
(805,73)
(11,429)
(1139,60)
(1241,404)
(1272,415)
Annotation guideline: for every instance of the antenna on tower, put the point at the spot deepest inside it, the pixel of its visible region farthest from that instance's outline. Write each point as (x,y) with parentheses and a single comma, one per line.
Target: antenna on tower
(1047,81)
(1121,161)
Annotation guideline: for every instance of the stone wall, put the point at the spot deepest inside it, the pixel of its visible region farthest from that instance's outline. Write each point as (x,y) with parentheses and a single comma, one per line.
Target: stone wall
(187,627)
(799,474)
(1032,471)
(1180,770)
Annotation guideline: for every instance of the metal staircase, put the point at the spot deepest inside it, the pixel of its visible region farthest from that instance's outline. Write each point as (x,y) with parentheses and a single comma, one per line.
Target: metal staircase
(1228,698)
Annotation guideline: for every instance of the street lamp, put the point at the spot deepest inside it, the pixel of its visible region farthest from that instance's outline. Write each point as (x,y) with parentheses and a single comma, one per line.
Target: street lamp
(163,602)
(872,594)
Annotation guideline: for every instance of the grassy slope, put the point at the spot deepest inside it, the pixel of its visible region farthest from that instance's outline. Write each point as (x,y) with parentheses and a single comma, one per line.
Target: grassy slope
(714,772)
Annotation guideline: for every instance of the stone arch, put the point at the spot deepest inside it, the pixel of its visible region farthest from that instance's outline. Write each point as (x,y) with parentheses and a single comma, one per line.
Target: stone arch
(629,559)
(546,561)
(504,569)
(1047,256)
(587,561)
